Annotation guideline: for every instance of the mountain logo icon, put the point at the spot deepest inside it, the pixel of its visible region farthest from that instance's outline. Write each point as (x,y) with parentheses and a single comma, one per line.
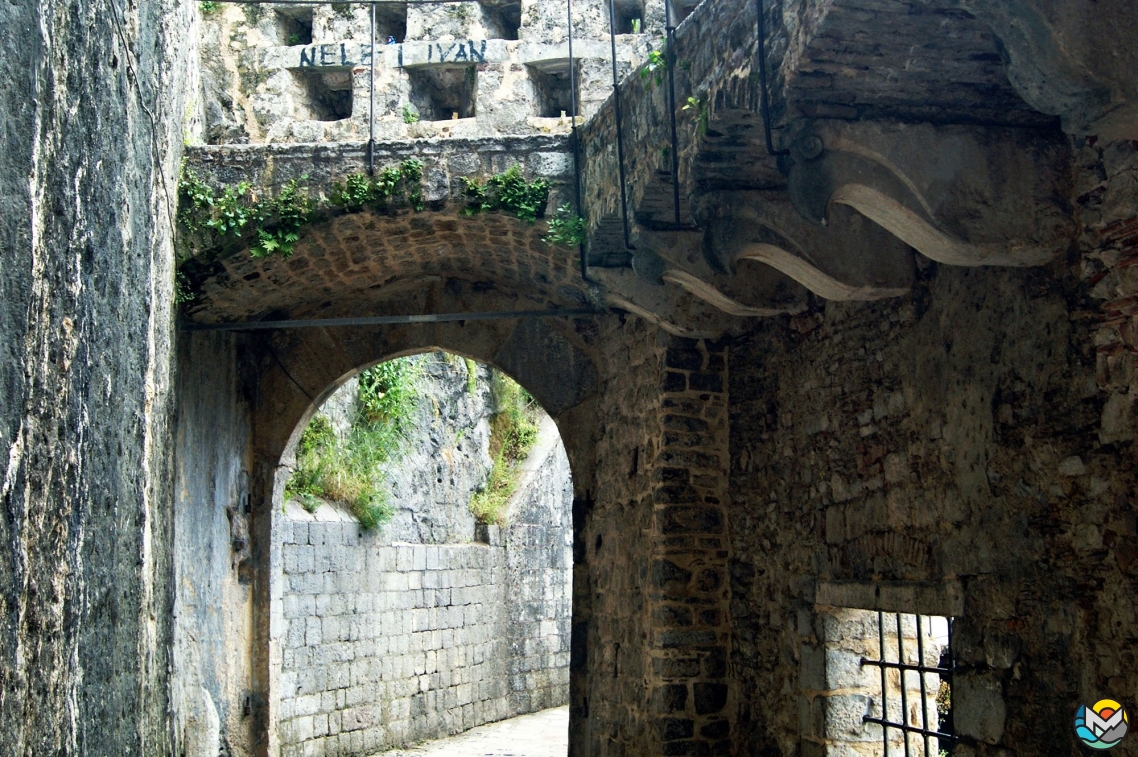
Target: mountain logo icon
(1102,725)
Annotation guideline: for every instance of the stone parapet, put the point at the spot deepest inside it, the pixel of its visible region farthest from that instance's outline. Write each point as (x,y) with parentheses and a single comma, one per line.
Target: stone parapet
(440,69)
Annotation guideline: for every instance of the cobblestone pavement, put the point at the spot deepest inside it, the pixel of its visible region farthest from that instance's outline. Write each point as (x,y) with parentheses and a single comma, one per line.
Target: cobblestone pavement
(539,734)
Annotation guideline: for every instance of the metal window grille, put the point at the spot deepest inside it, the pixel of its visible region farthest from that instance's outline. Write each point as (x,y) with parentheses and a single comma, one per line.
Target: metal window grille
(943,730)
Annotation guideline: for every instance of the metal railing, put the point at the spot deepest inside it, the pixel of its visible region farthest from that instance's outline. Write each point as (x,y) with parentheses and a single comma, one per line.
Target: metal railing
(903,667)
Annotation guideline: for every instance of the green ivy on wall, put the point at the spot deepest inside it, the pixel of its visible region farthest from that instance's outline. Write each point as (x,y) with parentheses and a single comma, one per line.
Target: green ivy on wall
(508,191)
(216,219)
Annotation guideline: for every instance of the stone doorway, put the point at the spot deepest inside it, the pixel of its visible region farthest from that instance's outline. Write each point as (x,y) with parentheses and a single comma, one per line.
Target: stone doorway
(435,596)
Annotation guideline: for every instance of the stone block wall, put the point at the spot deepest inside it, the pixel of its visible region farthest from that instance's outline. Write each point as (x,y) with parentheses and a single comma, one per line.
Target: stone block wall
(841,691)
(958,433)
(688,648)
(385,643)
(296,74)
(651,631)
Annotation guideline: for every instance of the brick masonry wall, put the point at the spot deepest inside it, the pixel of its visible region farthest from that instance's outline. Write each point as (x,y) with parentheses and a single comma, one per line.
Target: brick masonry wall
(978,430)
(688,591)
(390,643)
(651,632)
(611,513)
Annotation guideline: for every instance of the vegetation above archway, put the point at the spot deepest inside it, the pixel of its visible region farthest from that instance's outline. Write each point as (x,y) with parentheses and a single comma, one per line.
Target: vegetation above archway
(213,220)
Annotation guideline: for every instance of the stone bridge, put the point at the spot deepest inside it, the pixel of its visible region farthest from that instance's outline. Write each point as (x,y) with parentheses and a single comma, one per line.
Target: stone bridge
(865,177)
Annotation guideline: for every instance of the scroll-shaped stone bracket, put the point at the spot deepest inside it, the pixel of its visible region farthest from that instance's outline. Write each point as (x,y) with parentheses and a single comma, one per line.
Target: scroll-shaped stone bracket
(676,257)
(669,307)
(960,195)
(852,259)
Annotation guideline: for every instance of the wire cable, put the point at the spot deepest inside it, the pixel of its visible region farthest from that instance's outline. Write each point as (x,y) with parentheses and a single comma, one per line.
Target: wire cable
(619,130)
(762,32)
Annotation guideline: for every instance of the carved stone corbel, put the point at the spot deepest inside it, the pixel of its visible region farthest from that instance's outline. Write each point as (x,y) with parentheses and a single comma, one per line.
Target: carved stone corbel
(848,258)
(965,196)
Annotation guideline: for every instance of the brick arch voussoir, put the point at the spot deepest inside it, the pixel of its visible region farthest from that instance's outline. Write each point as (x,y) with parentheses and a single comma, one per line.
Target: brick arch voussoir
(357,262)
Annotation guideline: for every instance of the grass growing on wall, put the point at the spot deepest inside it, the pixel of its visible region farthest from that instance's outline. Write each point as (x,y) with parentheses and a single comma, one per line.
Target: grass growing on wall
(513,431)
(348,469)
(471,376)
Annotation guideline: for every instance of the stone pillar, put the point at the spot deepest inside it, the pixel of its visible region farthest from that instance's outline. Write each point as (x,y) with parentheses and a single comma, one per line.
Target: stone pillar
(688,590)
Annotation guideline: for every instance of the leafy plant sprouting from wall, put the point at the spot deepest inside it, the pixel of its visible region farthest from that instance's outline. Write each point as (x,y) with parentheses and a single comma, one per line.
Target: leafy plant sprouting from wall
(391,185)
(698,106)
(508,191)
(348,468)
(208,7)
(513,431)
(234,212)
(653,72)
(566,228)
(213,218)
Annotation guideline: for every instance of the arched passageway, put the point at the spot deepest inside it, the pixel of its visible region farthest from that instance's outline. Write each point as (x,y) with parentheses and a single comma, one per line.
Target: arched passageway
(642,416)
(426,560)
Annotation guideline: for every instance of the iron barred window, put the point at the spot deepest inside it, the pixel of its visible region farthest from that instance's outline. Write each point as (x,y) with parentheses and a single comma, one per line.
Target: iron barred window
(943,729)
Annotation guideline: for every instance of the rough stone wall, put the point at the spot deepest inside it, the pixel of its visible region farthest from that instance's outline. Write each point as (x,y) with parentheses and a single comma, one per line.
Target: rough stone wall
(651,632)
(959,433)
(264,83)
(446,457)
(931,60)
(714,48)
(609,664)
(386,643)
(91,131)
(213,599)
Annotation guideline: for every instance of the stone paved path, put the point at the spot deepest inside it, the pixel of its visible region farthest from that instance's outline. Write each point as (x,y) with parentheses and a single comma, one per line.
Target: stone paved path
(540,734)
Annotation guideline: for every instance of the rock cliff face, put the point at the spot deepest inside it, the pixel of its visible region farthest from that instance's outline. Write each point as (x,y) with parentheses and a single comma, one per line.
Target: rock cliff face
(446,456)
(446,459)
(91,135)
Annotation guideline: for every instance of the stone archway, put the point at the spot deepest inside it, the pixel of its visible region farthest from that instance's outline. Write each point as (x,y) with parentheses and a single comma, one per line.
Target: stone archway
(641,413)
(541,356)
(430,624)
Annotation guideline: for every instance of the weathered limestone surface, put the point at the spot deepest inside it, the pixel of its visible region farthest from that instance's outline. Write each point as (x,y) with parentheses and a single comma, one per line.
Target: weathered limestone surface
(454,70)
(445,457)
(91,133)
(212,635)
